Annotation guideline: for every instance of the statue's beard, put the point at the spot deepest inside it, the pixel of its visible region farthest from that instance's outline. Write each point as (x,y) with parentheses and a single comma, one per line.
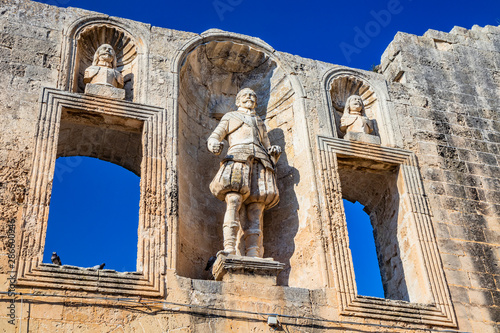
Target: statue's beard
(105,59)
(248,104)
(356,109)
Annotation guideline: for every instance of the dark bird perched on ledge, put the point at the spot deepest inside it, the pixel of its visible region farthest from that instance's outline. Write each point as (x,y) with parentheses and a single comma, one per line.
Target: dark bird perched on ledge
(101,266)
(55,259)
(210,263)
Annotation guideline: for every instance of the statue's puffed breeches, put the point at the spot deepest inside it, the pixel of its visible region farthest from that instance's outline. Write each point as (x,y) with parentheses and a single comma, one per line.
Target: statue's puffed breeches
(251,179)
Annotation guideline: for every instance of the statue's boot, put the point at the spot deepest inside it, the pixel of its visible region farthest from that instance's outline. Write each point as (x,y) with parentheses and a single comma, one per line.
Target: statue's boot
(231,222)
(252,240)
(253,233)
(229,232)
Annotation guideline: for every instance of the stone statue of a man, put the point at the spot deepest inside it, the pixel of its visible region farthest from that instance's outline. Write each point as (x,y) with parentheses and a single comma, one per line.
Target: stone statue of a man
(355,124)
(103,70)
(246,179)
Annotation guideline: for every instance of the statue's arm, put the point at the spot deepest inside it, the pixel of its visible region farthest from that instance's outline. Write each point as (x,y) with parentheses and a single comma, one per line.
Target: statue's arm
(345,122)
(90,73)
(214,142)
(265,138)
(369,123)
(119,79)
(273,150)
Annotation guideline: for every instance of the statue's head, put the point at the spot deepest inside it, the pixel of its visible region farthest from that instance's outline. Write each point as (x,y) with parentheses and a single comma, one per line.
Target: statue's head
(354,105)
(246,98)
(105,54)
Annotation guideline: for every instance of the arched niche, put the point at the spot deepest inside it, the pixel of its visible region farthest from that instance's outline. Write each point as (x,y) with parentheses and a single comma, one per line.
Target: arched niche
(211,72)
(344,86)
(340,83)
(126,53)
(215,72)
(83,38)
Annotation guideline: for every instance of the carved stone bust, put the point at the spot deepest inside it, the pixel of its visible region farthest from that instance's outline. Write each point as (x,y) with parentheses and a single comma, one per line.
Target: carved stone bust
(102,78)
(355,124)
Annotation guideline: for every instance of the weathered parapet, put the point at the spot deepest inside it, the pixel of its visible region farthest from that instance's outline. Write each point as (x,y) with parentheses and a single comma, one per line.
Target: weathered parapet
(436,113)
(445,87)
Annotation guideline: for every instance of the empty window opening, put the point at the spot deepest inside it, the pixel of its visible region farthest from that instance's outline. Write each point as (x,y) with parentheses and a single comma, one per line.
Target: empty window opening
(363,251)
(94,213)
(375,186)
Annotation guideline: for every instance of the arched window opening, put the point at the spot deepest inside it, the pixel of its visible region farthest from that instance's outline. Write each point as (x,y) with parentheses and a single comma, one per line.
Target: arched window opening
(363,251)
(94,213)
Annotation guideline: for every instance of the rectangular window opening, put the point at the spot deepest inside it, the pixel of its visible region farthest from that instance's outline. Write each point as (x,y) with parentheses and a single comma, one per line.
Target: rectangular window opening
(96,186)
(379,187)
(125,134)
(93,215)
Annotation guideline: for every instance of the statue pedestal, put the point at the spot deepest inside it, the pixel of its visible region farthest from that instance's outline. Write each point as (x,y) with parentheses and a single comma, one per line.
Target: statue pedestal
(233,268)
(104,91)
(362,137)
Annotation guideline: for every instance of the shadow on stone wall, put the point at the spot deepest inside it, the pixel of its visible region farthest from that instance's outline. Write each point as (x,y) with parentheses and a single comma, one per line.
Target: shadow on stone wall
(281,223)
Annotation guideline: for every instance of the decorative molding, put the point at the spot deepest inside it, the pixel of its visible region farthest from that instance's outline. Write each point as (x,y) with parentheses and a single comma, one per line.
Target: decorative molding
(150,278)
(440,311)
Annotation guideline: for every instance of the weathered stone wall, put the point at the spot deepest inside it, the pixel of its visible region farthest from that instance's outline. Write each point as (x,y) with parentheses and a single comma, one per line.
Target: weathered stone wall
(435,102)
(30,58)
(446,90)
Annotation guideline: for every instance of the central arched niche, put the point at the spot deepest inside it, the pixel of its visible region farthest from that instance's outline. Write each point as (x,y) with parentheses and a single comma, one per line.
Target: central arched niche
(216,71)
(210,77)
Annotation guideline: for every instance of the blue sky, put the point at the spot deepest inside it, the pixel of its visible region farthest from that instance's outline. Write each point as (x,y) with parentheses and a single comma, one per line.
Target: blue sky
(350,33)
(312,29)
(94,214)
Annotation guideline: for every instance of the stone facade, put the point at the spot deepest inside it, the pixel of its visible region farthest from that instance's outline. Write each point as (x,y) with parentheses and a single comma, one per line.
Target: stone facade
(431,186)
